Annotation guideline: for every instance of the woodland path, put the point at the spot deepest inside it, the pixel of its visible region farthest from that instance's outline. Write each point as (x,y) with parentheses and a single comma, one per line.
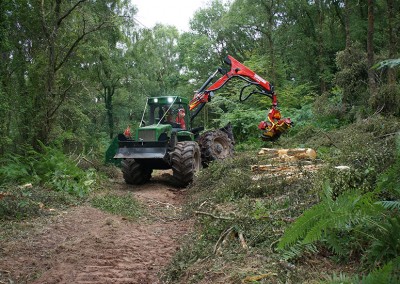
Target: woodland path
(86,245)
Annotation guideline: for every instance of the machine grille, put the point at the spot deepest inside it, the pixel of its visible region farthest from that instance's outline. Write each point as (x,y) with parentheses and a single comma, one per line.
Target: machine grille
(147,135)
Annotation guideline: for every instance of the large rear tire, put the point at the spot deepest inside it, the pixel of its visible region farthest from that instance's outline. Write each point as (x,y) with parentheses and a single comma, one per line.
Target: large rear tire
(135,173)
(215,145)
(186,161)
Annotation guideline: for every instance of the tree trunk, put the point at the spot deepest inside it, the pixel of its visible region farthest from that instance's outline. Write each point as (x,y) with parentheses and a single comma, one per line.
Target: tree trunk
(347,23)
(108,95)
(392,72)
(370,51)
(269,7)
(321,48)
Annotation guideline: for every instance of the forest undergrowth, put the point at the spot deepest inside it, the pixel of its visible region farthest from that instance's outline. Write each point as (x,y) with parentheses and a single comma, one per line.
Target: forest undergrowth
(339,224)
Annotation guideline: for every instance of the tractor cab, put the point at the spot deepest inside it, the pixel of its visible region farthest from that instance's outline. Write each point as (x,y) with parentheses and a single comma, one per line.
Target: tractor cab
(171,110)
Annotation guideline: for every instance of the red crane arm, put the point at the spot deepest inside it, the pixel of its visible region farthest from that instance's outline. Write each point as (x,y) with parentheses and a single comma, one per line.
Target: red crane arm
(238,70)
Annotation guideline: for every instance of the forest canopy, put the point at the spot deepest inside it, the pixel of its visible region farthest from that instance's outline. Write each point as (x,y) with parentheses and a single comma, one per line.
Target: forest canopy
(78,72)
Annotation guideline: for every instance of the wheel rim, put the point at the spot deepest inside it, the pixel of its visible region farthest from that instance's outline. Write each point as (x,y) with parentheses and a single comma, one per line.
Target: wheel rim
(220,148)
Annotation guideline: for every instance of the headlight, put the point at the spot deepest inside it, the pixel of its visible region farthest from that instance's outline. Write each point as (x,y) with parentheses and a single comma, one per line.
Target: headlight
(170,100)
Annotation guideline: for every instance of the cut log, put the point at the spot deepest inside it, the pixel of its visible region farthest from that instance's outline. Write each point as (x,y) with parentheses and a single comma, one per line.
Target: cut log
(284,168)
(288,172)
(294,154)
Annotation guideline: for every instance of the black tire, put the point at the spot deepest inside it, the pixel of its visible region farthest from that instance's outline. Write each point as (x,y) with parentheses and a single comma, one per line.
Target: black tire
(185,161)
(215,145)
(134,173)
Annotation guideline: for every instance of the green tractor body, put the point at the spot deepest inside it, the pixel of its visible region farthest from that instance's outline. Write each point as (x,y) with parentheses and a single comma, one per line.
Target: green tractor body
(165,140)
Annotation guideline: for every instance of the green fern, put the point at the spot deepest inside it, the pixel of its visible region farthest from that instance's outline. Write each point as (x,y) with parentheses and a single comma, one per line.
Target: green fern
(297,250)
(386,244)
(387,274)
(343,213)
(390,205)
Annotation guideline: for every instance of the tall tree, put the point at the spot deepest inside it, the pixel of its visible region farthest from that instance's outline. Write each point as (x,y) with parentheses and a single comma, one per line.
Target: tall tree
(392,72)
(65,26)
(45,56)
(370,50)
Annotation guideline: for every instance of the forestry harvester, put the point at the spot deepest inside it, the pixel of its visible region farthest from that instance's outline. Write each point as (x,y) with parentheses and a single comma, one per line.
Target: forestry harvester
(165,138)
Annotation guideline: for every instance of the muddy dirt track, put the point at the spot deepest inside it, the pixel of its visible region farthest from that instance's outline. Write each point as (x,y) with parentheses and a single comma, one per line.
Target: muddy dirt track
(86,245)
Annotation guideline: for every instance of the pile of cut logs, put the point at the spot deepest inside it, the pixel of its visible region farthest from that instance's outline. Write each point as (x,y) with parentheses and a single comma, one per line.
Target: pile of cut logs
(288,163)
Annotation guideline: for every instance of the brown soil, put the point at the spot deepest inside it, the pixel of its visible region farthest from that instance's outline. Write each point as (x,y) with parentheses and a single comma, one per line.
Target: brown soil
(86,245)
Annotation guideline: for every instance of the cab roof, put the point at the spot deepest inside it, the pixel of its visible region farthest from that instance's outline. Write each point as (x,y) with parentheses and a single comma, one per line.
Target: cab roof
(167,100)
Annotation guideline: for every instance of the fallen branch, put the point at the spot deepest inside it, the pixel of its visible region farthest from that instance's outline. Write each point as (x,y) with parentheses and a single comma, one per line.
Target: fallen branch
(90,162)
(2,195)
(221,239)
(389,134)
(330,139)
(213,216)
(243,241)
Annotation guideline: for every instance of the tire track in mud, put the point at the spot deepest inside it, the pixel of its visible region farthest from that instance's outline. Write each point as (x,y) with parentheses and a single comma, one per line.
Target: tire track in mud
(85,245)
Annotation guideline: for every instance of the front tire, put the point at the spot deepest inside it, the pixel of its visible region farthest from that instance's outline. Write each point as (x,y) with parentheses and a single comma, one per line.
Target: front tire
(135,173)
(186,161)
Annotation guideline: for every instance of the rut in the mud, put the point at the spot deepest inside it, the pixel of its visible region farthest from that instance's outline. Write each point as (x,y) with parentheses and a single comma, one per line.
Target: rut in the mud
(86,245)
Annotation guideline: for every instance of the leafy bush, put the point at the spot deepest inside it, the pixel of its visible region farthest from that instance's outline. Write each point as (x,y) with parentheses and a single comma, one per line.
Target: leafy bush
(29,201)
(351,76)
(41,180)
(389,181)
(387,100)
(296,96)
(58,172)
(15,169)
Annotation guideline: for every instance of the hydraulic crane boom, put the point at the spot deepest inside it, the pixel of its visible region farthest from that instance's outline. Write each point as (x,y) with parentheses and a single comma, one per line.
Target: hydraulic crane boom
(274,126)
(237,70)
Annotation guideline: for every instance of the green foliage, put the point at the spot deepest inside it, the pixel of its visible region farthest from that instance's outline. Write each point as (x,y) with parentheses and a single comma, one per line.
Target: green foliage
(258,206)
(29,201)
(244,124)
(387,100)
(387,63)
(298,250)
(389,181)
(340,146)
(51,168)
(351,218)
(58,172)
(388,273)
(122,205)
(329,216)
(296,95)
(351,75)
(329,106)
(15,169)
(40,180)
(386,243)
